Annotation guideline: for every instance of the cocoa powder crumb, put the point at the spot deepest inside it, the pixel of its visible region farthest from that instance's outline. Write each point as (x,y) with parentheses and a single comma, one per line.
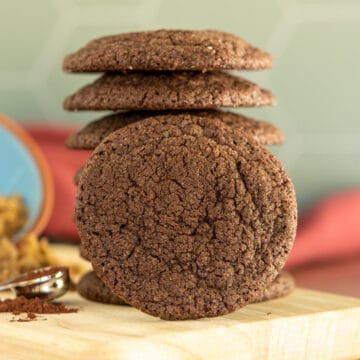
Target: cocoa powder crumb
(29,317)
(33,306)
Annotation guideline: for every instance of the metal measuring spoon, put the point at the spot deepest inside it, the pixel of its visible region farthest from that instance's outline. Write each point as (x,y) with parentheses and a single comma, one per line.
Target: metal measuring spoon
(49,282)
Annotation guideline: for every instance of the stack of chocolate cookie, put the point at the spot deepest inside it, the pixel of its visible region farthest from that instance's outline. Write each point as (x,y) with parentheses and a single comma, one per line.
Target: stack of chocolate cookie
(181,209)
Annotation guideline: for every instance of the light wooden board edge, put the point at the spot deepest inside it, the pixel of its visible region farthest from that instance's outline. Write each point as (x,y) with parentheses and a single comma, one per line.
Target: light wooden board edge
(304,325)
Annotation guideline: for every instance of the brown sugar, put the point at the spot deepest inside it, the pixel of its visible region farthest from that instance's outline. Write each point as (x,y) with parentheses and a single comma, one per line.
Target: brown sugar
(13,215)
(29,252)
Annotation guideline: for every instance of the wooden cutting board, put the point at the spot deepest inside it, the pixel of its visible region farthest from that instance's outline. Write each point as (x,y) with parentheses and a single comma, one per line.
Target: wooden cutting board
(304,325)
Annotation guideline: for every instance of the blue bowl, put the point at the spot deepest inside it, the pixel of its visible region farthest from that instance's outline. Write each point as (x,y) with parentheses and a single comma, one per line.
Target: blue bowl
(23,171)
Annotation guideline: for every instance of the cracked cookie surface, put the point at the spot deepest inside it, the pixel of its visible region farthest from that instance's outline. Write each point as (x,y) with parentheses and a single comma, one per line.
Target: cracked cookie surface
(168,50)
(185,222)
(93,133)
(167,90)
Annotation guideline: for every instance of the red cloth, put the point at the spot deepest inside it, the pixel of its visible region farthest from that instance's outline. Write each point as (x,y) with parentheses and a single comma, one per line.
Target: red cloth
(330,230)
(63,164)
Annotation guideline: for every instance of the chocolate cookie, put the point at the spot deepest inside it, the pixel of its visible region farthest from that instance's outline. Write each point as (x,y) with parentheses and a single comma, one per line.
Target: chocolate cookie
(283,285)
(167,50)
(183,221)
(164,91)
(188,123)
(92,288)
(77,176)
(93,133)
(83,253)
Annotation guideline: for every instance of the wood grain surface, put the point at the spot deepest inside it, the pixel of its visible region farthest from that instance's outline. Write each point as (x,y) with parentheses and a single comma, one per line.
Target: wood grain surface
(304,325)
